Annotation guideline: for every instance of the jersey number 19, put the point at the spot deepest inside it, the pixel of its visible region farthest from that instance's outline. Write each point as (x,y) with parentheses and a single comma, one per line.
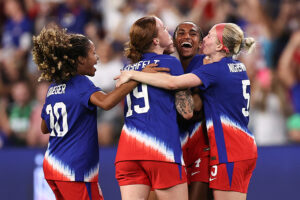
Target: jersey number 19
(142,94)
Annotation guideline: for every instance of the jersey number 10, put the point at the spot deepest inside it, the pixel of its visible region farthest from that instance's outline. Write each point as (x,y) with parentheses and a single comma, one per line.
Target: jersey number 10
(56,116)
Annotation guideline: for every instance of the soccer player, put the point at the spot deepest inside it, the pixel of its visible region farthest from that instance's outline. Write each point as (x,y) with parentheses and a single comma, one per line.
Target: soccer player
(226,96)
(149,153)
(69,114)
(187,40)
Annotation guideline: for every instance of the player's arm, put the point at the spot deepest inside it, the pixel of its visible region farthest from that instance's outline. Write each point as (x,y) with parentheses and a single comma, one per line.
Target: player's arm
(198,104)
(197,100)
(184,103)
(44,127)
(161,80)
(108,101)
(286,73)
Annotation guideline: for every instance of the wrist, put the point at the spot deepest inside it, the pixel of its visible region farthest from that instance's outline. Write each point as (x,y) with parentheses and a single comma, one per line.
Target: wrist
(131,74)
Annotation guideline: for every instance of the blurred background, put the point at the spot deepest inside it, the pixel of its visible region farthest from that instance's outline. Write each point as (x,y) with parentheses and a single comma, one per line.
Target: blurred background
(273,69)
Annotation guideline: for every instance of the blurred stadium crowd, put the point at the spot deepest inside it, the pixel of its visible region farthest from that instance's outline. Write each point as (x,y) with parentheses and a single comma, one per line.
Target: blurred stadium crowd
(274,67)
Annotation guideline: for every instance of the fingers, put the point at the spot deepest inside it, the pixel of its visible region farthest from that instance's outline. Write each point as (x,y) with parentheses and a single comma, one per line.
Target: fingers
(161,69)
(152,65)
(118,84)
(117,77)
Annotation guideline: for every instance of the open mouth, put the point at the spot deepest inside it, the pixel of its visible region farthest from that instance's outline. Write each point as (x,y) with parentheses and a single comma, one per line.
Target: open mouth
(186,45)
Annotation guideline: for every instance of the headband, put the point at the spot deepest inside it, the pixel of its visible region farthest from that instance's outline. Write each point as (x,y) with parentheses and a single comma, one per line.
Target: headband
(219,30)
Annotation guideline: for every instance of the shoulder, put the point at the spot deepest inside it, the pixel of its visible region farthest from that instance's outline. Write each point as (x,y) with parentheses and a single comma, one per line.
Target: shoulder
(196,62)
(219,64)
(168,59)
(80,78)
(211,69)
(80,81)
(199,57)
(227,60)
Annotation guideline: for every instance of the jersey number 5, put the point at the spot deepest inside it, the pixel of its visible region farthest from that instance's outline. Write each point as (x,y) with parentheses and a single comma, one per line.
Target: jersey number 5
(56,116)
(246,95)
(142,94)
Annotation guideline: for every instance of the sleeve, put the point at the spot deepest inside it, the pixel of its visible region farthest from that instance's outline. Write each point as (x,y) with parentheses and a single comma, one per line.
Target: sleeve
(195,63)
(208,74)
(86,88)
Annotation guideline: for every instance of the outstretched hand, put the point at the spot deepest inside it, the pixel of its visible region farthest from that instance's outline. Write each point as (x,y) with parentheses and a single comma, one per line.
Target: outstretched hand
(152,68)
(125,76)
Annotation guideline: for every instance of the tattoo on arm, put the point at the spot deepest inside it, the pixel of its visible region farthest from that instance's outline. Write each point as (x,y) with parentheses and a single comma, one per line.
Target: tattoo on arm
(184,102)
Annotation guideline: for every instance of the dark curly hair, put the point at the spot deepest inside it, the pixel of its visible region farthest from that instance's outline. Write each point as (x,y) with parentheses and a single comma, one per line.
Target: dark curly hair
(56,53)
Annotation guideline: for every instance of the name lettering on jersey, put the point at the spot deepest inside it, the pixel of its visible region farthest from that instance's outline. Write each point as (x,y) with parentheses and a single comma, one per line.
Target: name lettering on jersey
(59,89)
(139,64)
(236,67)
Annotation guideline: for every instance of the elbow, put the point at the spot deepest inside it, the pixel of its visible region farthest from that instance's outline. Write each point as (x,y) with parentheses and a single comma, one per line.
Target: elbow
(107,106)
(44,127)
(171,85)
(187,116)
(45,130)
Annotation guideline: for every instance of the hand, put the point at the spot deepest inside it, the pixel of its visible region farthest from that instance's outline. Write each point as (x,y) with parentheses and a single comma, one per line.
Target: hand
(152,68)
(124,77)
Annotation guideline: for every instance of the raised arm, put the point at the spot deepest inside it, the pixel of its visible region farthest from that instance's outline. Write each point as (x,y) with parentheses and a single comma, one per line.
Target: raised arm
(285,70)
(161,80)
(108,101)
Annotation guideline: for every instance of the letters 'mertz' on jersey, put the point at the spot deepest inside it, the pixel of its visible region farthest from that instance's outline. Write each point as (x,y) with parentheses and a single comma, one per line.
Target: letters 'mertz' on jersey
(150,131)
(226,97)
(73,151)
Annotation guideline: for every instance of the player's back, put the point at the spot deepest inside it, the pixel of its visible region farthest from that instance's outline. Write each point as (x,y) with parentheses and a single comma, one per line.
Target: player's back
(226,96)
(73,146)
(150,117)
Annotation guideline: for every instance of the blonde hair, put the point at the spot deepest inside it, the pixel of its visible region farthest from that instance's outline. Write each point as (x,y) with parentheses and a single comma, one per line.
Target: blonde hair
(233,39)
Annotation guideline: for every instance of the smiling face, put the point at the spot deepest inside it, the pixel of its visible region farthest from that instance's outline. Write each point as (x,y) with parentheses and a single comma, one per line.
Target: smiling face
(88,63)
(187,39)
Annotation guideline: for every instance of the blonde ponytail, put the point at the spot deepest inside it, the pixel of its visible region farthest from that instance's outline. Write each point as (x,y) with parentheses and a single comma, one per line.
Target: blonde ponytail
(248,44)
(233,39)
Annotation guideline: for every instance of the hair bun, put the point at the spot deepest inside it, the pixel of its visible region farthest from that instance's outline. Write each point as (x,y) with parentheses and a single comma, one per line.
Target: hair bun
(248,44)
